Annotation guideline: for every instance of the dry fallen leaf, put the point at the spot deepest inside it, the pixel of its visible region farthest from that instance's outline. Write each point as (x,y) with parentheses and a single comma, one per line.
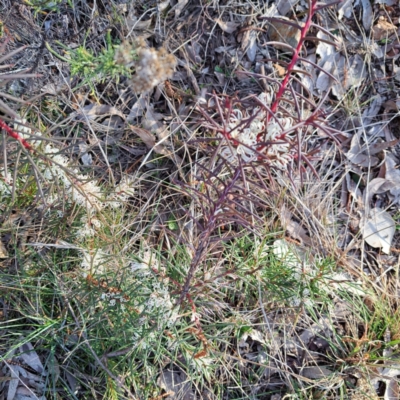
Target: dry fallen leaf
(138,109)
(31,358)
(345,8)
(379,229)
(280,31)
(316,372)
(251,50)
(367,17)
(281,71)
(383,29)
(175,383)
(150,141)
(227,26)
(179,7)
(152,122)
(94,111)
(285,6)
(3,250)
(359,153)
(349,72)
(393,177)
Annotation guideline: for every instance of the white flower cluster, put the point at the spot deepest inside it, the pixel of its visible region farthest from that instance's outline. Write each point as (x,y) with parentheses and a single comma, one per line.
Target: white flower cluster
(88,227)
(149,261)
(157,294)
(75,187)
(79,188)
(113,298)
(5,185)
(26,133)
(94,261)
(122,192)
(156,301)
(245,128)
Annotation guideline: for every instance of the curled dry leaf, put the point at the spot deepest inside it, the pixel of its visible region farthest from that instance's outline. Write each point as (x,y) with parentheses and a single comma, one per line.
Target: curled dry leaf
(359,153)
(285,6)
(378,230)
(176,385)
(227,26)
(281,31)
(367,17)
(316,372)
(150,141)
(393,176)
(3,251)
(350,73)
(383,29)
(387,2)
(13,384)
(377,186)
(138,109)
(179,7)
(252,45)
(152,122)
(293,228)
(345,8)
(94,111)
(31,358)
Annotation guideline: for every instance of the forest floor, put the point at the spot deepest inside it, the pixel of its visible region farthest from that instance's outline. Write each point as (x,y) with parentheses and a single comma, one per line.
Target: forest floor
(199,199)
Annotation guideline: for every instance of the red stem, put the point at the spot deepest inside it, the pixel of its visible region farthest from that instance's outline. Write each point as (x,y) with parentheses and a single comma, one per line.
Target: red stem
(295,57)
(292,64)
(15,135)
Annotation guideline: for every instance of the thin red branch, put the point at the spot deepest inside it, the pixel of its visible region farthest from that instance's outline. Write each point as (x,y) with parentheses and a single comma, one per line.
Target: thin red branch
(295,57)
(15,135)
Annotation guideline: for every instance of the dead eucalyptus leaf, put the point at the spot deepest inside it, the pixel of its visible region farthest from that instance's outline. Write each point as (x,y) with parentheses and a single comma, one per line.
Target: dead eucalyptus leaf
(379,229)
(316,372)
(31,358)
(227,26)
(3,250)
(163,5)
(150,141)
(372,109)
(179,7)
(280,31)
(151,122)
(353,188)
(376,186)
(138,108)
(13,384)
(251,50)
(367,17)
(94,111)
(392,389)
(281,71)
(175,383)
(358,153)
(293,228)
(393,176)
(383,29)
(350,73)
(345,8)
(376,148)
(387,2)
(147,137)
(284,6)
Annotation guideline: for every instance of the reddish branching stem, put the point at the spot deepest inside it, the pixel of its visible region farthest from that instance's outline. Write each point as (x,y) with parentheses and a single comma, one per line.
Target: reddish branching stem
(295,57)
(15,135)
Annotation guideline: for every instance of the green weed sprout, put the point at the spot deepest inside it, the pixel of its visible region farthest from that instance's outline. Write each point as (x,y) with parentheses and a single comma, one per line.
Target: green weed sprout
(98,69)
